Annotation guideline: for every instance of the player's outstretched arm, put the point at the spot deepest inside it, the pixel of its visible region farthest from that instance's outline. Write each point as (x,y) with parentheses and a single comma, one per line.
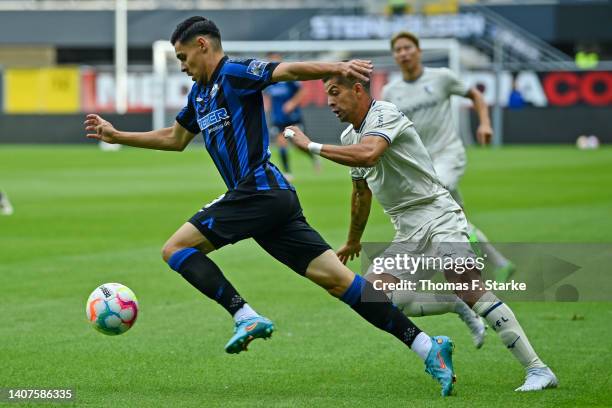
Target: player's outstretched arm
(308,70)
(361,202)
(484,133)
(170,138)
(363,154)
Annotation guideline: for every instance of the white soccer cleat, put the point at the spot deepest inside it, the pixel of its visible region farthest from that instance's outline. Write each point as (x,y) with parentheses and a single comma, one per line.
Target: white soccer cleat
(475,323)
(538,379)
(5,205)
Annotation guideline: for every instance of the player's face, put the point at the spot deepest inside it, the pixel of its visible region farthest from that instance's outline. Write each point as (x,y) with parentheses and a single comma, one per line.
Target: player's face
(341,99)
(190,56)
(407,55)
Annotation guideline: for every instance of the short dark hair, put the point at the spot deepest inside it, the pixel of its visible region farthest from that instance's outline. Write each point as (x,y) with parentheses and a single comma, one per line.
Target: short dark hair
(407,35)
(194,26)
(348,82)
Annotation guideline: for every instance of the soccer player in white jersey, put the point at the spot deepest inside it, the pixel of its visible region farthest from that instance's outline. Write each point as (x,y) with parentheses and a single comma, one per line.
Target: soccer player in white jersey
(424,95)
(387,156)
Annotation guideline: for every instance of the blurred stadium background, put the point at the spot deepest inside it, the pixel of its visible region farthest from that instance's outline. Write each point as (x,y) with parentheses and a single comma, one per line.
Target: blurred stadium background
(84,217)
(57,58)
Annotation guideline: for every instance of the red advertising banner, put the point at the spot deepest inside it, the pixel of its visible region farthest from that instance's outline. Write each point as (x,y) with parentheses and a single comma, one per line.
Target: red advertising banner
(539,89)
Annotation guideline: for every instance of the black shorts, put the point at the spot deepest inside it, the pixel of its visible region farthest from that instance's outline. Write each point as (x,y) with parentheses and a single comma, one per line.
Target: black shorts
(273,218)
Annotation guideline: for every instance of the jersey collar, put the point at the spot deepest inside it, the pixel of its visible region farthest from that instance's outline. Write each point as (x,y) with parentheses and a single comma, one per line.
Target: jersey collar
(215,74)
(366,115)
(415,79)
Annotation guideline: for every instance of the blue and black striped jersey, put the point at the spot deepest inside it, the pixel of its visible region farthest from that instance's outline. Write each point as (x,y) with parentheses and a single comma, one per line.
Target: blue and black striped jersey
(229,112)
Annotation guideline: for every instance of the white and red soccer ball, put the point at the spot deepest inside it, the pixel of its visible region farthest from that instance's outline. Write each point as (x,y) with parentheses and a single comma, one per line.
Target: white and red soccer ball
(112,308)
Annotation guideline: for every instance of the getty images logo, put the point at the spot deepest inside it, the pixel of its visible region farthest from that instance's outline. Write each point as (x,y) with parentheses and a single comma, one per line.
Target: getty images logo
(212,118)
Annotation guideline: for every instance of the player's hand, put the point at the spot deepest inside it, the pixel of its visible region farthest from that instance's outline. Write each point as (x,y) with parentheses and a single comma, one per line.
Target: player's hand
(349,251)
(103,128)
(299,139)
(484,134)
(360,69)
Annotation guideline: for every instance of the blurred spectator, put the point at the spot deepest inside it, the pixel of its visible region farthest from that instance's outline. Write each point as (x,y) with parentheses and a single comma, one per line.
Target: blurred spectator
(282,101)
(397,7)
(5,205)
(516,100)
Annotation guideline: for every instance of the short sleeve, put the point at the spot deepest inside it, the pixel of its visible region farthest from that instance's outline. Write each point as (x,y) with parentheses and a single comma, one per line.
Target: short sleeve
(187,116)
(454,86)
(249,75)
(385,123)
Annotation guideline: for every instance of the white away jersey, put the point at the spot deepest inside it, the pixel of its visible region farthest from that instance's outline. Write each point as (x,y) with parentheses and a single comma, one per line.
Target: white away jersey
(404,178)
(426,101)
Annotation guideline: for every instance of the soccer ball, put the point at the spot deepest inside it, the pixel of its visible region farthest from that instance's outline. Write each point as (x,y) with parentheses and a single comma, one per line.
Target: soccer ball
(112,308)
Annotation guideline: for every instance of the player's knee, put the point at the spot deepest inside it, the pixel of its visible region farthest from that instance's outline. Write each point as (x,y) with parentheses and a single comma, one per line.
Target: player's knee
(337,284)
(168,250)
(328,272)
(331,282)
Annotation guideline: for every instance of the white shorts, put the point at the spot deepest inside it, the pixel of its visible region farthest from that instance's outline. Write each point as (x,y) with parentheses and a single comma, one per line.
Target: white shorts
(443,238)
(450,166)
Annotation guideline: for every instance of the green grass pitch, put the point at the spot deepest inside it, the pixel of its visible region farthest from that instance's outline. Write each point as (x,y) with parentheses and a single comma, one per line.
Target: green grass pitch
(84,217)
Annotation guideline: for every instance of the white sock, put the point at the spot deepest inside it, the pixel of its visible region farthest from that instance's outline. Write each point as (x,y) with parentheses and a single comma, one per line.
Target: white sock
(245,312)
(421,345)
(414,304)
(502,320)
(493,255)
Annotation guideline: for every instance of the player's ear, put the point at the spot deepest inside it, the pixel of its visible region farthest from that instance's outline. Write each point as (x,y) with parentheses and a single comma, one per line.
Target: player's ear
(358,88)
(202,42)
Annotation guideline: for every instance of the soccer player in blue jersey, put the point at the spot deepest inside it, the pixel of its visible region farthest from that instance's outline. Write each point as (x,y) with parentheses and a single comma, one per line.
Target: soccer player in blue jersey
(226,105)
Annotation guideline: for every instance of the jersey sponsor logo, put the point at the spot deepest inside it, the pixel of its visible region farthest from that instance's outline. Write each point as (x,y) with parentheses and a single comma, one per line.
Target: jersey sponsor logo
(212,118)
(257,67)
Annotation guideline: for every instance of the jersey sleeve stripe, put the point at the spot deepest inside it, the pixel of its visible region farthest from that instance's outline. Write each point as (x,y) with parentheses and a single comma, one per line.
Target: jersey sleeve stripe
(379,134)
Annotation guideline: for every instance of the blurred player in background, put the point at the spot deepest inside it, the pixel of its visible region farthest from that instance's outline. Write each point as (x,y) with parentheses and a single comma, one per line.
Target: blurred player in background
(386,153)
(226,105)
(5,205)
(424,95)
(283,101)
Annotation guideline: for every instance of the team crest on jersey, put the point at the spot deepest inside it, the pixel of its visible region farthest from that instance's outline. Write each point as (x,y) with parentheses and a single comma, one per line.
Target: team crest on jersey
(428,89)
(214,90)
(257,67)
